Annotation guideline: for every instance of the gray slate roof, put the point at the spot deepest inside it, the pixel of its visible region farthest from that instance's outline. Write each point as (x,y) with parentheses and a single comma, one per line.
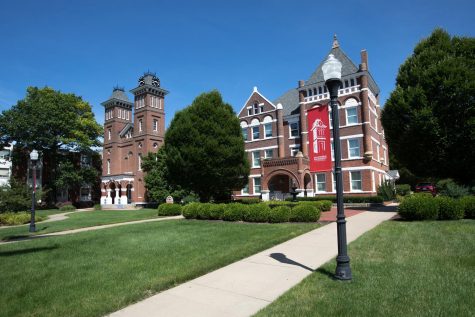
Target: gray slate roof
(119,93)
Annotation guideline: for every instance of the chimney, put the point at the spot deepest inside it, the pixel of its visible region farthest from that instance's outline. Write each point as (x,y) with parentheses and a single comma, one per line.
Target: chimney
(301,83)
(364,60)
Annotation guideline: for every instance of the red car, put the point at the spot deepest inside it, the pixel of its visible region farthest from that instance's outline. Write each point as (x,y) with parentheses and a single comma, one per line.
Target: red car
(426,188)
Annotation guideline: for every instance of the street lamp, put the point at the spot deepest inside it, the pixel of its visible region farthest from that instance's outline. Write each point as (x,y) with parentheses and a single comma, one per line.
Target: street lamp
(332,76)
(33,158)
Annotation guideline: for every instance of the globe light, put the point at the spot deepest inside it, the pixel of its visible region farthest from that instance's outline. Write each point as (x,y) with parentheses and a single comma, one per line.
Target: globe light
(331,68)
(34,155)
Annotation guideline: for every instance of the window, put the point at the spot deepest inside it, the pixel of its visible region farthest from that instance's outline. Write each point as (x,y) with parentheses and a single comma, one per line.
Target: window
(140,162)
(127,113)
(351,115)
(355,178)
(255,133)
(333,182)
(269,153)
(346,83)
(321,182)
(320,91)
(384,156)
(249,111)
(244,133)
(378,158)
(310,92)
(257,185)
(256,159)
(109,134)
(353,148)
(108,166)
(376,123)
(294,151)
(245,189)
(294,129)
(268,130)
(256,108)
(140,125)
(352,80)
(155,125)
(332,151)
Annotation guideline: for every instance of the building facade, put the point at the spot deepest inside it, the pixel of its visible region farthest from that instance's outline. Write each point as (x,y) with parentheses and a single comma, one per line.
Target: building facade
(5,164)
(131,130)
(277,136)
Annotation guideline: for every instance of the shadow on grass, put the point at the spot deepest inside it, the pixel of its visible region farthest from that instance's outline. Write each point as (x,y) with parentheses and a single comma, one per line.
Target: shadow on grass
(26,251)
(283,259)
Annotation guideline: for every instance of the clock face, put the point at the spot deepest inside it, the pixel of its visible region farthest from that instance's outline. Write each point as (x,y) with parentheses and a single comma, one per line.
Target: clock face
(141,82)
(156,82)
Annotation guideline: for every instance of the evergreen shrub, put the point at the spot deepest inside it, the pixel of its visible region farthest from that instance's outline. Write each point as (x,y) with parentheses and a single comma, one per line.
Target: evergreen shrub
(17,218)
(216,211)
(468,205)
(449,208)
(234,212)
(249,201)
(403,189)
(191,210)
(304,213)
(169,210)
(257,213)
(279,214)
(419,207)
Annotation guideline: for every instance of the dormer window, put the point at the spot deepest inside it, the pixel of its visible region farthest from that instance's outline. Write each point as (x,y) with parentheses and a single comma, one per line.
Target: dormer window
(256,108)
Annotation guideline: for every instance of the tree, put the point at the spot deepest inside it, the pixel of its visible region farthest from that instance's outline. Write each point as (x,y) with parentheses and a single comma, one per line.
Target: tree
(205,149)
(49,121)
(16,196)
(429,119)
(156,178)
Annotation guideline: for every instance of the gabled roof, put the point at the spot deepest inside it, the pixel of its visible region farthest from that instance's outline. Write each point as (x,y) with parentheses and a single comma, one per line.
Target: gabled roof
(289,101)
(126,129)
(257,92)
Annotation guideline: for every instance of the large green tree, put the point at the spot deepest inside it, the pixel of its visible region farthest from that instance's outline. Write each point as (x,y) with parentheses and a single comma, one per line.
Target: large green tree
(429,119)
(50,121)
(205,148)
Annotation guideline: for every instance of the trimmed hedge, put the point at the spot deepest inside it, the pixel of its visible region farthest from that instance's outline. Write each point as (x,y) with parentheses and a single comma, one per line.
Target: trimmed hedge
(248,201)
(449,208)
(257,213)
(468,205)
(280,214)
(346,199)
(18,218)
(234,212)
(419,207)
(304,213)
(216,211)
(169,210)
(191,210)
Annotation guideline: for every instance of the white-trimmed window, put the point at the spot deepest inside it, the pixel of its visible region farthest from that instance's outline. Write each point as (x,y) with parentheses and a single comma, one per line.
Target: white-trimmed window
(294,151)
(321,182)
(268,130)
(245,189)
(109,134)
(249,111)
(155,125)
(351,115)
(269,153)
(256,159)
(127,113)
(140,161)
(140,125)
(378,157)
(333,182)
(108,166)
(255,133)
(355,181)
(353,148)
(256,108)
(385,153)
(244,133)
(332,151)
(294,129)
(257,185)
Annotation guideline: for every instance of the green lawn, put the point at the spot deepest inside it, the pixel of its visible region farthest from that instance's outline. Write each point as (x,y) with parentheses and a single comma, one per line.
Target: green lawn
(97,272)
(399,269)
(79,220)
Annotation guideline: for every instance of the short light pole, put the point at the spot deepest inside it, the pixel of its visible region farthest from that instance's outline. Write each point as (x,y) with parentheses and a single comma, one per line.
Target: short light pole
(332,75)
(33,158)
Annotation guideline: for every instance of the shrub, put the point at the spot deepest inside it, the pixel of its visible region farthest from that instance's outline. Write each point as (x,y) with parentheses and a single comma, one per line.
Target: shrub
(447,187)
(97,207)
(346,199)
(387,191)
(169,210)
(234,212)
(304,213)
(257,213)
(419,207)
(403,189)
(191,210)
(325,205)
(468,205)
(203,211)
(18,218)
(279,214)
(449,208)
(67,207)
(216,211)
(249,201)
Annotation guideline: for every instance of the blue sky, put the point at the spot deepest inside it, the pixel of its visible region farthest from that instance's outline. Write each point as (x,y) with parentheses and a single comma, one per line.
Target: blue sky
(87,47)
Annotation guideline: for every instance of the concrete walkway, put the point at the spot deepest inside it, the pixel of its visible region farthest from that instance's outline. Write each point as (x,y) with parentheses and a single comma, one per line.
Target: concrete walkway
(66,232)
(246,286)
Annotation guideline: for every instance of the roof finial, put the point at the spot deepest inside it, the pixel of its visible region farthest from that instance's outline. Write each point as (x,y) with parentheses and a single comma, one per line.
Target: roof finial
(335,42)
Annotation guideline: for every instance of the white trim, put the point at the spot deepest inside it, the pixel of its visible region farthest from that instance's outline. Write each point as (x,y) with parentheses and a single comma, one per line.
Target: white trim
(254,175)
(363,168)
(348,148)
(257,140)
(261,148)
(252,115)
(316,182)
(295,145)
(376,141)
(257,92)
(353,136)
(361,182)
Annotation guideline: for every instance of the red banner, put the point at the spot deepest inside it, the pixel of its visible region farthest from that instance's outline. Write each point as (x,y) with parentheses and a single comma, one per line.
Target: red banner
(319,139)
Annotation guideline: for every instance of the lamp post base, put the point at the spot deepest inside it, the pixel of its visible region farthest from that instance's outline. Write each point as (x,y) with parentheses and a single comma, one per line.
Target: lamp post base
(343,270)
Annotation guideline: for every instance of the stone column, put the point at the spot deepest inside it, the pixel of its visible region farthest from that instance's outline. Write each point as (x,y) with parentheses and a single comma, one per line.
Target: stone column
(108,198)
(117,196)
(123,195)
(280,131)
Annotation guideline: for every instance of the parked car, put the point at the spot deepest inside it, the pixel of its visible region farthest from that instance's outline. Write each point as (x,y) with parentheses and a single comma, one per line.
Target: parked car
(426,188)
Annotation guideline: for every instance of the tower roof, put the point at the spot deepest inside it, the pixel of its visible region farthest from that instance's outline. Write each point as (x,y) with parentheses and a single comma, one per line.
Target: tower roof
(118,96)
(149,82)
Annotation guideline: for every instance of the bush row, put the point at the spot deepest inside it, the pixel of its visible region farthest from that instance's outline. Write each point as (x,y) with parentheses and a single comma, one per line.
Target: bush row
(426,207)
(17,218)
(346,199)
(252,212)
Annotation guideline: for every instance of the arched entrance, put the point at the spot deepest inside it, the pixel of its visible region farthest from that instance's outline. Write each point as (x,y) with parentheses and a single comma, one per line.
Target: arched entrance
(113,192)
(129,193)
(280,185)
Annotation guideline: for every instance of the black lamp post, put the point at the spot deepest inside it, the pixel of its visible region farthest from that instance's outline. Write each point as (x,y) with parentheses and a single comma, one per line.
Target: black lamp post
(33,158)
(332,75)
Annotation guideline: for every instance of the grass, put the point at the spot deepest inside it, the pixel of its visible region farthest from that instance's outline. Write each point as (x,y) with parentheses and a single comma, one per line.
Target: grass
(79,220)
(98,272)
(399,269)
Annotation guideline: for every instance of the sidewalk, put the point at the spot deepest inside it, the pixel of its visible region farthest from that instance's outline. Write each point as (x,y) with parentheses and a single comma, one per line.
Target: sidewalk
(246,286)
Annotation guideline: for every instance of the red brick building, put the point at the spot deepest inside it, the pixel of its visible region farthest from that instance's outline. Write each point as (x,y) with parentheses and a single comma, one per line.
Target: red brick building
(131,130)
(276,136)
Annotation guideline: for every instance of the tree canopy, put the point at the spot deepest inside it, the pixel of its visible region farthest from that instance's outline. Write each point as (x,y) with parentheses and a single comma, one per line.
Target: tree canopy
(51,121)
(429,119)
(205,149)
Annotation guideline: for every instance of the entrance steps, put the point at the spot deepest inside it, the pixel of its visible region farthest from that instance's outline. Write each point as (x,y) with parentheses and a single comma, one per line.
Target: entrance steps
(119,207)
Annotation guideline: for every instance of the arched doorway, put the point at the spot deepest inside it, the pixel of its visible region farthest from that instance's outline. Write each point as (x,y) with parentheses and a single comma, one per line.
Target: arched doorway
(280,186)
(112,188)
(129,193)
